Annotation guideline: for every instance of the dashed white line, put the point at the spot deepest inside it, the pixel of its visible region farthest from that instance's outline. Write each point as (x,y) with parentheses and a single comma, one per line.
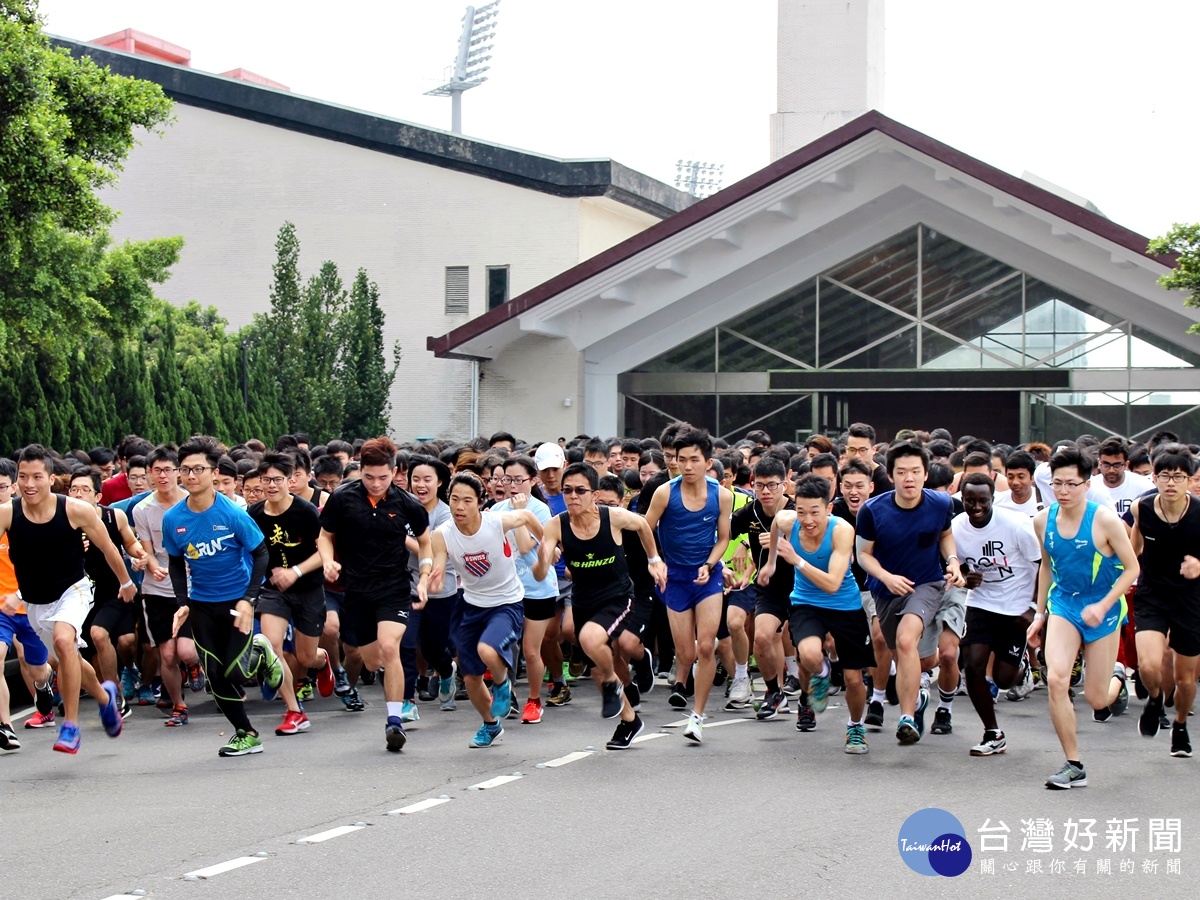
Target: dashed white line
(495,782)
(649,737)
(330,834)
(724,722)
(569,758)
(126,897)
(227,866)
(419,807)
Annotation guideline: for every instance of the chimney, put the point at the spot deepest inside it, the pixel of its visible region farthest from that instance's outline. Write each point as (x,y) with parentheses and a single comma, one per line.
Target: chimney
(131,41)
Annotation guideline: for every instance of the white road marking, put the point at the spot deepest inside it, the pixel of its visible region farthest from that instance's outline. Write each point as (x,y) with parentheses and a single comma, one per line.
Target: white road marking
(495,782)
(569,758)
(418,807)
(227,866)
(24,714)
(126,897)
(724,722)
(649,737)
(330,834)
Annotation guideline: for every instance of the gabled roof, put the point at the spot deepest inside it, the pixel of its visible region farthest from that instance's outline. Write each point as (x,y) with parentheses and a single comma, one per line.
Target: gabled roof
(260,103)
(967,168)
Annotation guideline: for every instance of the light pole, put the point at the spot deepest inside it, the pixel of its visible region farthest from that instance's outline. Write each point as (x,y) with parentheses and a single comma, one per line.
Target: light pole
(474,49)
(698,178)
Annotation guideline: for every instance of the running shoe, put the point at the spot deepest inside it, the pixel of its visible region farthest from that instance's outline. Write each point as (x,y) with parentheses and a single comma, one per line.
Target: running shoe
(919,715)
(942,723)
(874,719)
(837,677)
(129,682)
(1069,776)
(195,678)
(448,705)
(720,676)
(110,712)
(393,733)
(269,666)
(68,738)
(367,676)
(634,696)
(325,679)
(694,729)
(678,698)
(1023,688)
(294,722)
(993,688)
(38,720)
(243,743)
(304,690)
(643,672)
(906,731)
(341,682)
(818,692)
(145,695)
(893,698)
(612,698)
(622,738)
(806,719)
(560,695)
(961,691)
(163,702)
(446,686)
(856,740)
(993,742)
(1103,714)
(43,698)
(739,693)
(1139,689)
(577,663)
(126,709)
(353,702)
(791,686)
(1163,721)
(426,688)
(8,738)
(487,735)
(772,705)
(532,713)
(460,689)
(1181,744)
(501,698)
(408,712)
(1148,721)
(1076,672)
(179,716)
(1121,704)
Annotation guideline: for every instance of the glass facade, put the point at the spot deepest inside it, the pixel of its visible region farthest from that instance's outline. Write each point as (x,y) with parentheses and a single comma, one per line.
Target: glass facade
(926,309)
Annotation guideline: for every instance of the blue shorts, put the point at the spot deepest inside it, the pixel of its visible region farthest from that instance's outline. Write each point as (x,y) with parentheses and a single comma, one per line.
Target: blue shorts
(36,653)
(1118,614)
(497,626)
(683,594)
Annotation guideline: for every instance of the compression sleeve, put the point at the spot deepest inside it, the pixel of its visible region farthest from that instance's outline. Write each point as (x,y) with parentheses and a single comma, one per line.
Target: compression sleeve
(260,558)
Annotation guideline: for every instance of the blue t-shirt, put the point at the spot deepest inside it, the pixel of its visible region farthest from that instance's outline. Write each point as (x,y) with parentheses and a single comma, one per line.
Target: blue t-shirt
(906,540)
(217,544)
(534,589)
(557,504)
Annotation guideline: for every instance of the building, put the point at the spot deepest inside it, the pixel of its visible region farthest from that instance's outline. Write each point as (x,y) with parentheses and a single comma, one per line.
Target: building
(447,226)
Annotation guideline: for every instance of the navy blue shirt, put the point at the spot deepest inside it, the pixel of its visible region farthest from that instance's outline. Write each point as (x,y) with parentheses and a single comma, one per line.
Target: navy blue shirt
(906,540)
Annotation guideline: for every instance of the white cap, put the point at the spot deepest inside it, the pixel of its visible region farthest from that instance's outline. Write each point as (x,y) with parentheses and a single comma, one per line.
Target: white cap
(549,456)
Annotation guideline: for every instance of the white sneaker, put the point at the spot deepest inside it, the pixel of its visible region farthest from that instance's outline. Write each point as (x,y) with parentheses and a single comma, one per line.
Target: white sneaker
(1022,688)
(694,729)
(739,692)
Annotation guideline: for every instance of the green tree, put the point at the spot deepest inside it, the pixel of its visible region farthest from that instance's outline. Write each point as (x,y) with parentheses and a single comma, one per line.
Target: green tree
(366,377)
(1184,241)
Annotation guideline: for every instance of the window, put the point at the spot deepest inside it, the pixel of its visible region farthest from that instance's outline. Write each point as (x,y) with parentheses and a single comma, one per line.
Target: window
(456,290)
(497,286)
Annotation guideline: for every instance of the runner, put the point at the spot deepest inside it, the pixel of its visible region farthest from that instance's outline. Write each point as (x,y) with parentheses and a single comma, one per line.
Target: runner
(488,622)
(550,462)
(1087,565)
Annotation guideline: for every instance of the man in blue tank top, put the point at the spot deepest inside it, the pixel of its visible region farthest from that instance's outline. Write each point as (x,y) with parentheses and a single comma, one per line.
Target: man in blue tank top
(1087,567)
(692,515)
(825,599)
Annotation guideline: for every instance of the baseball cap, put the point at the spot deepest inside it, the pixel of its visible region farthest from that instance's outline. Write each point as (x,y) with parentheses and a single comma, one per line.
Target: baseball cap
(549,456)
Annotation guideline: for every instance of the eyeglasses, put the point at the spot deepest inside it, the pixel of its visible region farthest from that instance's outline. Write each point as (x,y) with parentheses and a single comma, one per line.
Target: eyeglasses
(768,485)
(1176,478)
(510,480)
(1111,466)
(185,471)
(161,471)
(270,479)
(1060,485)
(77,489)
(577,491)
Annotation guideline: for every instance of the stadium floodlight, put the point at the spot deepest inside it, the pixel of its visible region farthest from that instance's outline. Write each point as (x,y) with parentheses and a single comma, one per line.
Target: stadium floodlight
(474,51)
(700,179)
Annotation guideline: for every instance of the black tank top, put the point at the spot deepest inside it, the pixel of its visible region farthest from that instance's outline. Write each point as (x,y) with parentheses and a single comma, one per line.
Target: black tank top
(1163,549)
(599,573)
(47,558)
(96,564)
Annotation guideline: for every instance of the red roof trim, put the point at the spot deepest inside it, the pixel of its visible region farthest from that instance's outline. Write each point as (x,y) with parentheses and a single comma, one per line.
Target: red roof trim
(444,345)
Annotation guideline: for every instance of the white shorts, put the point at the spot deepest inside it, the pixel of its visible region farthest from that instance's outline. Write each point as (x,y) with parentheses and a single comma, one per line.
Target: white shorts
(868,602)
(952,614)
(72,607)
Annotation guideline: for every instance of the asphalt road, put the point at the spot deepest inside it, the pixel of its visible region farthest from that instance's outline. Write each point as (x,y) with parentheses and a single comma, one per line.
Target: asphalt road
(758,808)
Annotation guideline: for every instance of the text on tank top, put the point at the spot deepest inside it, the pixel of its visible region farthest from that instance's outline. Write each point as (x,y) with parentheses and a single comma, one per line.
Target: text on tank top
(599,571)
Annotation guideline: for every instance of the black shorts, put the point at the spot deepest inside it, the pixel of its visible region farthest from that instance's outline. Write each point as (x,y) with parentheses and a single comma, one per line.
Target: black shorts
(1178,619)
(613,617)
(1004,634)
(364,612)
(540,609)
(850,629)
(158,615)
(304,609)
(639,620)
(115,616)
(768,604)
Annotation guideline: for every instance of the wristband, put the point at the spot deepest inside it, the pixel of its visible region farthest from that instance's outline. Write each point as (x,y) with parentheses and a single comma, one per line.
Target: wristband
(121,588)
(1037,616)
(654,559)
(296,569)
(427,561)
(951,557)
(800,564)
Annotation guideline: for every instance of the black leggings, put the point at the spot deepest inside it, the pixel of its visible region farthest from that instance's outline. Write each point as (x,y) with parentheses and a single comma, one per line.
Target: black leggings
(428,628)
(225,654)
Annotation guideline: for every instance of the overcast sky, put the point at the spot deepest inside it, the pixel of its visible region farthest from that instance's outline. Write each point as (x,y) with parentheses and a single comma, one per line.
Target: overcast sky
(1094,96)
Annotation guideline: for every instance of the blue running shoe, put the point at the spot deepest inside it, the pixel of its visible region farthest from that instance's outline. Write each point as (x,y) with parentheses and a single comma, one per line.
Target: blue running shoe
(446,688)
(394,734)
(486,735)
(110,712)
(68,738)
(502,699)
(906,731)
(818,692)
(408,712)
(129,682)
(919,715)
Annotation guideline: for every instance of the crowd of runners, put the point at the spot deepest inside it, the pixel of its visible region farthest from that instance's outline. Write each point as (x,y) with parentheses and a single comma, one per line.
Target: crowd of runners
(902,574)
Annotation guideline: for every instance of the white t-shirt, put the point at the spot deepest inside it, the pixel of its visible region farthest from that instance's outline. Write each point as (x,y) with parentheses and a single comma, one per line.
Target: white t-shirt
(485,561)
(1007,552)
(1125,493)
(1030,507)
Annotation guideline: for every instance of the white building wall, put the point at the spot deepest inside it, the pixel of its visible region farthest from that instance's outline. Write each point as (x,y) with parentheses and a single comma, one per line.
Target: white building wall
(227,184)
(829,68)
